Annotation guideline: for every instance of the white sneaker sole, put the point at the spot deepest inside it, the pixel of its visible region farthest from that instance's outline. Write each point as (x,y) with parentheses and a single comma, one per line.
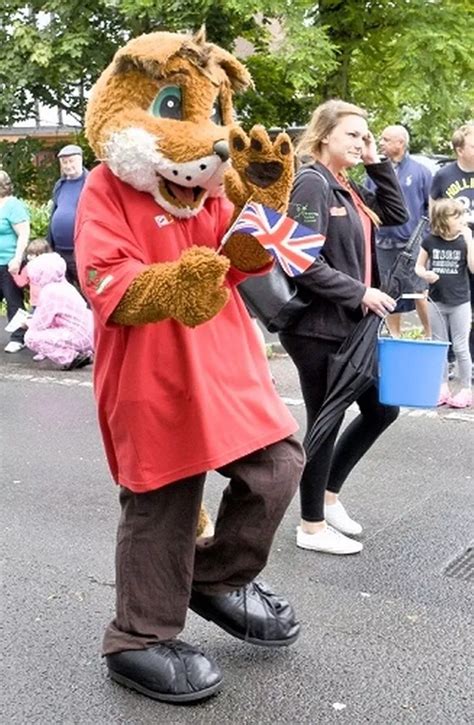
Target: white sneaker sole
(309,547)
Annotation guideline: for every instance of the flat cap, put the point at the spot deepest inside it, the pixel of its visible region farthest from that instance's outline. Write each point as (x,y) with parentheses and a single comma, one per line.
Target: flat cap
(70,150)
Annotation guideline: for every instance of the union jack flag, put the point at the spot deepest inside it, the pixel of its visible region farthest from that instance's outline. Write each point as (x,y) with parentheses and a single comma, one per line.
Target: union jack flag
(294,246)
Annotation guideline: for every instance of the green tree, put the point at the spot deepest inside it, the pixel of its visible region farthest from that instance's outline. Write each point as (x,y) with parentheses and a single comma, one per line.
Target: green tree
(52,52)
(407,61)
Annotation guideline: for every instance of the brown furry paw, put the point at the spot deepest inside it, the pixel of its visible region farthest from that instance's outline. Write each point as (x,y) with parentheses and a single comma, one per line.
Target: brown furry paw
(246,253)
(199,292)
(261,169)
(205,527)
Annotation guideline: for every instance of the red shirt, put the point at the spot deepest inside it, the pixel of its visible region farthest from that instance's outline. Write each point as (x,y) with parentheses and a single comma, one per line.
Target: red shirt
(173,401)
(366,222)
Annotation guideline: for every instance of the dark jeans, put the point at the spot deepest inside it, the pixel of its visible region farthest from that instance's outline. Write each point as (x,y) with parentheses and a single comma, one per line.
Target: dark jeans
(71,269)
(13,296)
(158,560)
(335,461)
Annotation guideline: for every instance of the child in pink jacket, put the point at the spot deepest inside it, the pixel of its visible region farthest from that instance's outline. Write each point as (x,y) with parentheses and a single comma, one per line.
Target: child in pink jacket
(61,327)
(33,249)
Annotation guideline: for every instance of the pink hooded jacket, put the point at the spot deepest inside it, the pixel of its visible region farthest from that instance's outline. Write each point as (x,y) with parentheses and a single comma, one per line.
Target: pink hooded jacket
(59,304)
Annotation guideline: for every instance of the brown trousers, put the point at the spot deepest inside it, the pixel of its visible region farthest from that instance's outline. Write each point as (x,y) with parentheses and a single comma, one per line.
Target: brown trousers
(158,560)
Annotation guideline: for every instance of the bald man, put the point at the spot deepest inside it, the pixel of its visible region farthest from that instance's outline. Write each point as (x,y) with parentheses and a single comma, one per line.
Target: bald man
(415,182)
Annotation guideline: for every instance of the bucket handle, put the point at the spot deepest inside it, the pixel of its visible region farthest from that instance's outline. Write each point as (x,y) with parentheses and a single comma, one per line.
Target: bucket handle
(414,296)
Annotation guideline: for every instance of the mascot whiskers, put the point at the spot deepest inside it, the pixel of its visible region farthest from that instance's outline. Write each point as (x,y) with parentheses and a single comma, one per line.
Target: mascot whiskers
(181,383)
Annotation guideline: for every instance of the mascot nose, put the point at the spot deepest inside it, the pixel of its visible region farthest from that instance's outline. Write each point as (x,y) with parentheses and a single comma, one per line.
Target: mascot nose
(221,148)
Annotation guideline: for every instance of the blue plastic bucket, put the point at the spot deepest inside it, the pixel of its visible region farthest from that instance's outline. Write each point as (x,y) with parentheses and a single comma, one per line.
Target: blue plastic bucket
(411,371)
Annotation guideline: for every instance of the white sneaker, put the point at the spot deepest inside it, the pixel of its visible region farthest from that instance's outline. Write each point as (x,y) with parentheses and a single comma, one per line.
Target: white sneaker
(337,516)
(13,346)
(327,540)
(18,320)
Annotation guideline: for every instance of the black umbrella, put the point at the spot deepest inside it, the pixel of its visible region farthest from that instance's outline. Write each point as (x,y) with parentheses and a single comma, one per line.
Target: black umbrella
(353,369)
(398,281)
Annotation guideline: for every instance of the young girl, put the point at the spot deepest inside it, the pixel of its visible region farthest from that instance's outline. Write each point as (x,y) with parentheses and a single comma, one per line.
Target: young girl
(449,252)
(33,249)
(61,327)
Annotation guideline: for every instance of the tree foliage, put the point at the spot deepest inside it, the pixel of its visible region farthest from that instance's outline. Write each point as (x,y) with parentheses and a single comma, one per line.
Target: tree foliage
(407,61)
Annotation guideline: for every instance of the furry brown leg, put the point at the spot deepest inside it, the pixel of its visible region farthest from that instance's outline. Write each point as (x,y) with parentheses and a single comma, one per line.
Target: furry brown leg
(205,526)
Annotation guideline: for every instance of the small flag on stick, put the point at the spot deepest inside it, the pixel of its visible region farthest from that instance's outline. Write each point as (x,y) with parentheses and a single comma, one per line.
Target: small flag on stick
(294,246)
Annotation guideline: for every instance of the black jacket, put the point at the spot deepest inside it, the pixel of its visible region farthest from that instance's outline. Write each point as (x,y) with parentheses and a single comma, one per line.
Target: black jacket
(334,283)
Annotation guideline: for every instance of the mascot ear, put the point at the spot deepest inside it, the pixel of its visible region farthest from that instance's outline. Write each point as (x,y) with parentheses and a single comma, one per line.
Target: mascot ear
(128,61)
(199,36)
(238,75)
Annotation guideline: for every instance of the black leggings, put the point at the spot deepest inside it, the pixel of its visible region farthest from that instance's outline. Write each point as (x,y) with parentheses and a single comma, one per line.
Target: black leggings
(13,296)
(334,461)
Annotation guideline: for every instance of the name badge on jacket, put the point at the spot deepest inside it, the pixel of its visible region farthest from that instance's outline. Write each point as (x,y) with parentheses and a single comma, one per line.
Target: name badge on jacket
(337,211)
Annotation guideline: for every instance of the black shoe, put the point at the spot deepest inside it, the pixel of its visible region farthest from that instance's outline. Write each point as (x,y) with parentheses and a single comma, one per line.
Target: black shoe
(171,671)
(252,613)
(79,361)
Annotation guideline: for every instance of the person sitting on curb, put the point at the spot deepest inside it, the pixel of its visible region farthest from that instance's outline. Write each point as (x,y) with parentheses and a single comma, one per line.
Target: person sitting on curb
(61,328)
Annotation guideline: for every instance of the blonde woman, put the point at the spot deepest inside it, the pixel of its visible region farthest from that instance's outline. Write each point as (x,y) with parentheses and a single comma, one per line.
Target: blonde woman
(14,235)
(343,285)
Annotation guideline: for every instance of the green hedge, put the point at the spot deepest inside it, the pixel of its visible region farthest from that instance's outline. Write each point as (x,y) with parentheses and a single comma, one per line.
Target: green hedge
(39,218)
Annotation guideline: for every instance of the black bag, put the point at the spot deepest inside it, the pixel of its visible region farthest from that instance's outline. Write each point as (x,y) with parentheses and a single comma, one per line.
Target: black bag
(274,299)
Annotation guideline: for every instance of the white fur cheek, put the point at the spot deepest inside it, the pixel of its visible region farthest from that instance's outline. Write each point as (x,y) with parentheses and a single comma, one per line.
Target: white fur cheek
(132,156)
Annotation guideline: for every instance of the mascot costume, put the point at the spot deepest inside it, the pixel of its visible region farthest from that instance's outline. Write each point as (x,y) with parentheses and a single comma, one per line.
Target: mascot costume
(181,382)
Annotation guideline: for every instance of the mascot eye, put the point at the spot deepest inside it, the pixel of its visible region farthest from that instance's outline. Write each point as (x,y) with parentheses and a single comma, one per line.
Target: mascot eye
(216,115)
(167,103)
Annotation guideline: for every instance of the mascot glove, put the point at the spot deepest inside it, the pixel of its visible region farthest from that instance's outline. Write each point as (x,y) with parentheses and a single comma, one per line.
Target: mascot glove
(199,294)
(190,290)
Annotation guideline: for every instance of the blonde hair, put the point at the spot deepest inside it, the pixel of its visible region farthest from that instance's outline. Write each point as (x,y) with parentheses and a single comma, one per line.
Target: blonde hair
(459,136)
(440,212)
(324,119)
(6,186)
(37,246)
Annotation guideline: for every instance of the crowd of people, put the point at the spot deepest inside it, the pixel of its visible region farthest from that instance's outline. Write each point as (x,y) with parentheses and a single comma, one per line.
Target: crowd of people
(177,359)
(59,324)
(365,226)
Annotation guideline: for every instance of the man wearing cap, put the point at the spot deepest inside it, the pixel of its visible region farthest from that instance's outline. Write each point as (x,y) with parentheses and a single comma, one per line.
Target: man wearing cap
(66,194)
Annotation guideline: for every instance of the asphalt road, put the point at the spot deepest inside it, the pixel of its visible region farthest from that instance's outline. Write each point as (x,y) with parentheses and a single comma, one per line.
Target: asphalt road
(386,635)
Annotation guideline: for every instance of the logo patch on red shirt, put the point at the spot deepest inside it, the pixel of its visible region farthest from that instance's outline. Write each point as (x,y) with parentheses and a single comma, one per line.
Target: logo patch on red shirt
(96,283)
(164,219)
